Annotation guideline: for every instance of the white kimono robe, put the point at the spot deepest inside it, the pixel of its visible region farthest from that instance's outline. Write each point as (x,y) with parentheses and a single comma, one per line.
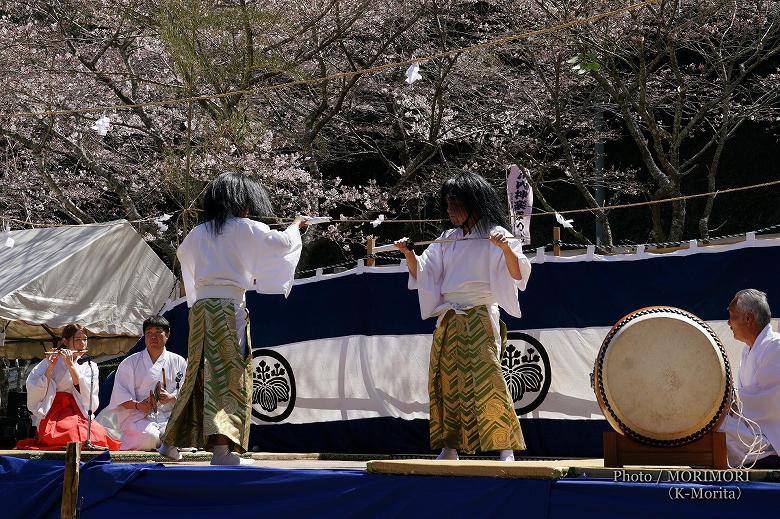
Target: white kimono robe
(758,386)
(40,392)
(246,255)
(464,274)
(135,377)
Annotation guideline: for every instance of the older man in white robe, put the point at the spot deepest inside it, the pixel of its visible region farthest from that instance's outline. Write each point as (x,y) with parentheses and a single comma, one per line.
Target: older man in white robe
(757,384)
(132,408)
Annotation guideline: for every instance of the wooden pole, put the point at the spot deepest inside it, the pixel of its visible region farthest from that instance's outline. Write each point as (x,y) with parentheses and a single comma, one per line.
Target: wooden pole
(370,262)
(70,484)
(556,240)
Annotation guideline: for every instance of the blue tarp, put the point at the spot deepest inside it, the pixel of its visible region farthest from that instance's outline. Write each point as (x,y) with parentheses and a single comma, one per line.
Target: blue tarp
(31,489)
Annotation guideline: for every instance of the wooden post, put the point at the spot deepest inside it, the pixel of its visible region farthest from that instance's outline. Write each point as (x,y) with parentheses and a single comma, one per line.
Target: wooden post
(370,251)
(70,484)
(556,239)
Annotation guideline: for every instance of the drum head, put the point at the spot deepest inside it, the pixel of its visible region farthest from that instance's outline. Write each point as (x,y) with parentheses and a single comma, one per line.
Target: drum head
(663,377)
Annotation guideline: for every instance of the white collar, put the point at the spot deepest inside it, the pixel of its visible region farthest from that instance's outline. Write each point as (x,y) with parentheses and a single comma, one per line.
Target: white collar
(761,338)
(149,356)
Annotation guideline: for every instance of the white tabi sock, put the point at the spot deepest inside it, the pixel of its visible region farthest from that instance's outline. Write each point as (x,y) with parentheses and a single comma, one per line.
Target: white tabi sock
(170,452)
(507,455)
(223,456)
(448,454)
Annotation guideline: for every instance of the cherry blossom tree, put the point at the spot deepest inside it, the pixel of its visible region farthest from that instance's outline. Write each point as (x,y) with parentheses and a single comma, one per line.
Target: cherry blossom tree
(298,95)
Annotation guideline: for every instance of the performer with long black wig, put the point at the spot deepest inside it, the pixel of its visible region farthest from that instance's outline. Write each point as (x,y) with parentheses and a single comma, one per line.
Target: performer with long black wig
(473,269)
(220,260)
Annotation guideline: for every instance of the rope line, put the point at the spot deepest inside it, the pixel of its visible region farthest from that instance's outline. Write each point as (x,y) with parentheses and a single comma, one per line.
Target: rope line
(661,201)
(389,255)
(663,244)
(348,74)
(438,220)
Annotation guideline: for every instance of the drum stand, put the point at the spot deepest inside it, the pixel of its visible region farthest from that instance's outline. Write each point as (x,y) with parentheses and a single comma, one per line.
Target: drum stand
(709,451)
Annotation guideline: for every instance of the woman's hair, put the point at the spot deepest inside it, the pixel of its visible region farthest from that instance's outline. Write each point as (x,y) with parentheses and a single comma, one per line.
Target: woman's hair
(479,199)
(232,195)
(70,330)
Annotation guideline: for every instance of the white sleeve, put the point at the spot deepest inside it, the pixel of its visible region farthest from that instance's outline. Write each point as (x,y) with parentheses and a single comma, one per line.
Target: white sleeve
(503,285)
(264,239)
(430,270)
(760,400)
(40,391)
(284,241)
(124,384)
(187,262)
(275,255)
(89,386)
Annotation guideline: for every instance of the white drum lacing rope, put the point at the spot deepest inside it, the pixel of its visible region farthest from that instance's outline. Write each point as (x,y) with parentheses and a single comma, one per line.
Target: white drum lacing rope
(757,444)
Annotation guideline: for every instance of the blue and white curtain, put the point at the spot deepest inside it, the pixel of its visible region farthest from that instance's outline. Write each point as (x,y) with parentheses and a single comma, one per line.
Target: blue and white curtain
(342,364)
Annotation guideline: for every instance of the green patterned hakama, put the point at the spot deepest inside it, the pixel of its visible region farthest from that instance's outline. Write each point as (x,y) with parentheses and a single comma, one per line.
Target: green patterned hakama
(471,409)
(216,397)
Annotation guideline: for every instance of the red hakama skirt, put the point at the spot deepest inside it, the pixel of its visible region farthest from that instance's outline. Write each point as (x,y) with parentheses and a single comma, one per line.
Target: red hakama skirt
(65,423)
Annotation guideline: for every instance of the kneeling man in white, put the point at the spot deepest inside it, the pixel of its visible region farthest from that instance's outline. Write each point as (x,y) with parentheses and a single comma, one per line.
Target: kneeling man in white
(753,429)
(131,411)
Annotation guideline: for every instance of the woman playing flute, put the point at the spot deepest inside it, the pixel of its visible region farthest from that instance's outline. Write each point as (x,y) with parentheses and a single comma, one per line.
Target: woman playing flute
(60,394)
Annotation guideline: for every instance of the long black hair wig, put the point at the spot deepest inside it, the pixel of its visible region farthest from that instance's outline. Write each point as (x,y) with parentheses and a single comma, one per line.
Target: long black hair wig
(479,199)
(234,195)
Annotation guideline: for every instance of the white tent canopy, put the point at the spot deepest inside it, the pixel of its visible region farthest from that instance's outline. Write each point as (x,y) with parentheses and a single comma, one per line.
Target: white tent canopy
(103,276)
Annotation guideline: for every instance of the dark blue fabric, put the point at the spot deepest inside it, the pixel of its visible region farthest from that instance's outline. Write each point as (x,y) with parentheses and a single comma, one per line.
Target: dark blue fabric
(606,498)
(30,488)
(369,435)
(543,437)
(104,393)
(33,489)
(582,294)
(100,479)
(238,492)
(564,438)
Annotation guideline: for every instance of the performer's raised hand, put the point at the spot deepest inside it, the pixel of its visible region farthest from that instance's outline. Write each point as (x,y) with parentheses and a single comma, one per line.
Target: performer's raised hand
(500,240)
(403,245)
(53,358)
(301,221)
(67,357)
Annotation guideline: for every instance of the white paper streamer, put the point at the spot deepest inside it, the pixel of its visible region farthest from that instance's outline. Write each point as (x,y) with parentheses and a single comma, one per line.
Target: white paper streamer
(413,73)
(378,221)
(102,126)
(567,224)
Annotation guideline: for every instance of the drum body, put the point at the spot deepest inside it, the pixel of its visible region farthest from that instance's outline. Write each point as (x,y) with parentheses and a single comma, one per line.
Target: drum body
(662,377)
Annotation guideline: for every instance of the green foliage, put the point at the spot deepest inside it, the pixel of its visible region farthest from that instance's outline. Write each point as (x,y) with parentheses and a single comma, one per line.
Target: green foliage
(584,63)
(218,48)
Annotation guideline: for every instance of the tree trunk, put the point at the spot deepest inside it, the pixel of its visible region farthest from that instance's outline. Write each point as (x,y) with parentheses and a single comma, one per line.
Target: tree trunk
(678,220)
